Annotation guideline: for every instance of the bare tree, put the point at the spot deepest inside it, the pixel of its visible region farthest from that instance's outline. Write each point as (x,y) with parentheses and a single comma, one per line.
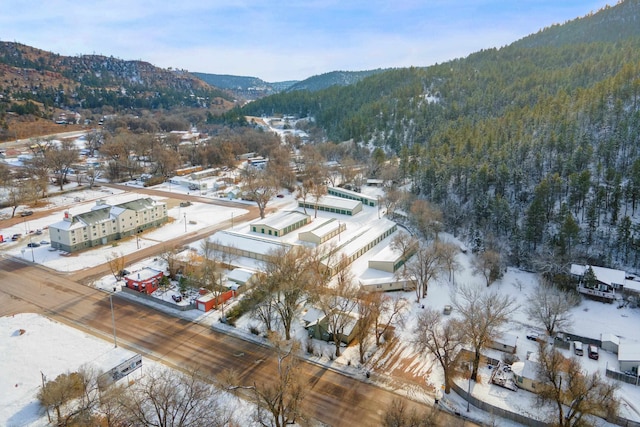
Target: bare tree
(337,301)
(166,398)
(387,311)
(489,265)
(116,262)
(406,244)
(91,175)
(425,265)
(279,402)
(73,396)
(170,256)
(483,314)
(290,273)
(448,252)
(60,158)
(574,394)
(443,339)
(551,307)
(427,218)
(399,415)
(259,186)
(368,303)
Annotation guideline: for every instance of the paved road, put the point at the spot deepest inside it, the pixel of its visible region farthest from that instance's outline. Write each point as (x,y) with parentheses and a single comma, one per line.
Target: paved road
(332,398)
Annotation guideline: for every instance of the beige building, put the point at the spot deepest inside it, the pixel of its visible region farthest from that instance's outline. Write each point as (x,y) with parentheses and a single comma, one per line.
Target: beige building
(105,223)
(280,224)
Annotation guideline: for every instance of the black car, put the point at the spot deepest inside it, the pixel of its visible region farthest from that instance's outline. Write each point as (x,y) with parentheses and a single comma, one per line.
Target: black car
(177,298)
(33,245)
(533,336)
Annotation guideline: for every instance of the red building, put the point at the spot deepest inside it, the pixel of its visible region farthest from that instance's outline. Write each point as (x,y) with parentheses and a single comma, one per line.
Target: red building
(146,280)
(207,301)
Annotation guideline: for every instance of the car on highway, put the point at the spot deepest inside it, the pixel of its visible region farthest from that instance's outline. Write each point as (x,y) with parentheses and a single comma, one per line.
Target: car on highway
(16,236)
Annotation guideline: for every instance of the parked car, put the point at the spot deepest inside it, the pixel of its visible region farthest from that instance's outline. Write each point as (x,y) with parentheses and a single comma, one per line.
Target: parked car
(533,336)
(593,352)
(33,245)
(16,236)
(26,213)
(577,348)
(177,298)
(44,242)
(38,232)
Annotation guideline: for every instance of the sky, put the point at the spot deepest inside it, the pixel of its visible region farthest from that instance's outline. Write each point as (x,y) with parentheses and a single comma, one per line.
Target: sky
(278,40)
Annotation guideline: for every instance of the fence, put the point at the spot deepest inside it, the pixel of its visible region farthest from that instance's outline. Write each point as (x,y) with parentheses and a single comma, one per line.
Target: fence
(621,376)
(487,407)
(158,300)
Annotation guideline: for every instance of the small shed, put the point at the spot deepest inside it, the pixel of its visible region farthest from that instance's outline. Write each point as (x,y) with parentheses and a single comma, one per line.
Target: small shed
(146,280)
(610,342)
(504,342)
(629,356)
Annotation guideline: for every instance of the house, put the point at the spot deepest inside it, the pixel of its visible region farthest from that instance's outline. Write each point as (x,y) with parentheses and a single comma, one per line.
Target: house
(610,342)
(598,282)
(629,357)
(280,224)
(526,375)
(316,322)
(146,280)
(105,223)
(504,342)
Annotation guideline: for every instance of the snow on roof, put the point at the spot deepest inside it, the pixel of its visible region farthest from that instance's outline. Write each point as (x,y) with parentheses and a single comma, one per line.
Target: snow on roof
(506,339)
(312,315)
(337,202)
(144,274)
(387,253)
(610,338)
(240,275)
(325,227)
(350,193)
(608,276)
(281,220)
(254,244)
(526,369)
(629,351)
(377,228)
(632,284)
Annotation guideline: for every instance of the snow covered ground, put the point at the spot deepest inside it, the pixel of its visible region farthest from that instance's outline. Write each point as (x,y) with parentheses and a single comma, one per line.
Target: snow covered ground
(590,318)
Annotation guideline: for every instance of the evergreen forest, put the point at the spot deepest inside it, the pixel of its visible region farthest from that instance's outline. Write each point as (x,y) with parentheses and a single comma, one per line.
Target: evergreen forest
(529,149)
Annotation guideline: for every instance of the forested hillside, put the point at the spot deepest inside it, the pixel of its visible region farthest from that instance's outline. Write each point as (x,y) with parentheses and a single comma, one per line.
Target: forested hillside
(533,148)
(94,81)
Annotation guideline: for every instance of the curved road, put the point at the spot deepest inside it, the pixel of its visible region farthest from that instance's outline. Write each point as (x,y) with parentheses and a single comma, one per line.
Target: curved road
(332,398)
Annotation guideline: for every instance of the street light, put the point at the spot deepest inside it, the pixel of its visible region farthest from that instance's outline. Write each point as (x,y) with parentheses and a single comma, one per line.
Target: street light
(113,321)
(231,219)
(185,222)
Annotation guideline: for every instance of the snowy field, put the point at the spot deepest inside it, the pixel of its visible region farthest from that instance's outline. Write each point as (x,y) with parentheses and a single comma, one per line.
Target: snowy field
(32,346)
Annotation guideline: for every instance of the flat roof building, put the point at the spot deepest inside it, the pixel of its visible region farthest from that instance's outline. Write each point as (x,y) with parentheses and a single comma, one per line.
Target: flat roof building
(280,224)
(334,205)
(352,195)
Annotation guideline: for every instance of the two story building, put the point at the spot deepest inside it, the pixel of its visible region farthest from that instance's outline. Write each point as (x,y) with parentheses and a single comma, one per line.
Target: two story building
(105,223)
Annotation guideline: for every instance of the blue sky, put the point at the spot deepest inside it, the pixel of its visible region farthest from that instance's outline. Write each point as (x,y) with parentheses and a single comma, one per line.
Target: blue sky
(280,40)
